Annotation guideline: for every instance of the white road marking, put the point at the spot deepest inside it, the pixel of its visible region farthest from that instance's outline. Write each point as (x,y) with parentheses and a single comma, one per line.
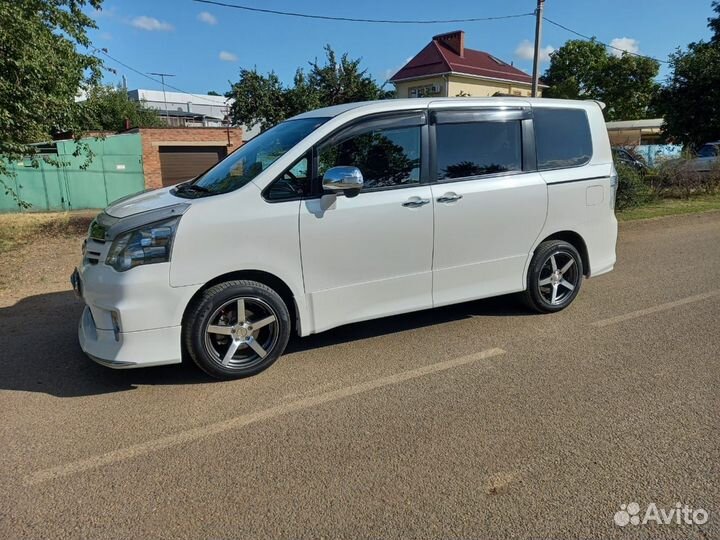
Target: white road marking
(190,435)
(655,309)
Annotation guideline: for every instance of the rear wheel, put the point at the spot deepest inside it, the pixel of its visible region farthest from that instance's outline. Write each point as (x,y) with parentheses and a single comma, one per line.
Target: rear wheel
(554,277)
(236,329)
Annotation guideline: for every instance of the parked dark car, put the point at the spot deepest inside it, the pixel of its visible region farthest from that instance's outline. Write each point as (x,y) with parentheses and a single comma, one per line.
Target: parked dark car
(707,157)
(626,157)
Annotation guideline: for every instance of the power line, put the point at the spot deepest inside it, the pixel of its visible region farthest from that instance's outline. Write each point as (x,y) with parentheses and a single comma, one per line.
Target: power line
(354,19)
(158,81)
(601,43)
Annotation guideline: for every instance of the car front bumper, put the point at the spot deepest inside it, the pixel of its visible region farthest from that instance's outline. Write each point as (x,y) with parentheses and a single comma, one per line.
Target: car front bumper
(125,350)
(131,319)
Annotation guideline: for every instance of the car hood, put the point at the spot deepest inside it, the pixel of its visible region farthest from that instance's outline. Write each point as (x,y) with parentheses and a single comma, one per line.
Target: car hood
(143,202)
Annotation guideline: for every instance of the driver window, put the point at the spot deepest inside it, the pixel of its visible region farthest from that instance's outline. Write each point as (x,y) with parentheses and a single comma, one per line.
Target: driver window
(385,157)
(292,184)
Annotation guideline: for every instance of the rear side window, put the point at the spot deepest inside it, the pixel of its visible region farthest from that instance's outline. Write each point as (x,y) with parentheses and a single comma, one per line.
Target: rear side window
(478,148)
(562,138)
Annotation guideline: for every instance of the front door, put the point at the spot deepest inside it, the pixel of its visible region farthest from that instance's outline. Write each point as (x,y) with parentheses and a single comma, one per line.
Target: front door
(370,255)
(490,204)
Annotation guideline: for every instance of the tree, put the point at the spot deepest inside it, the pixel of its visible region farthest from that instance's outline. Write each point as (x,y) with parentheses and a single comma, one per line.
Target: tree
(41,71)
(259,99)
(584,70)
(690,100)
(574,70)
(714,22)
(108,109)
(341,81)
(262,99)
(212,93)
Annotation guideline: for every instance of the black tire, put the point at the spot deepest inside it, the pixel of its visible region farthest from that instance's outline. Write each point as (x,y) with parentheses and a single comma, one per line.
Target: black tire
(213,310)
(540,297)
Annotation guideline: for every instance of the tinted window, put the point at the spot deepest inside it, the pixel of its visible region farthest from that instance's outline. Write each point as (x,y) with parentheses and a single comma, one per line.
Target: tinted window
(478,148)
(562,138)
(386,157)
(292,184)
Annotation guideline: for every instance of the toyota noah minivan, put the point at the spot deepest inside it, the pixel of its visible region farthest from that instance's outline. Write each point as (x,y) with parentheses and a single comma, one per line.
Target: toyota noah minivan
(350,213)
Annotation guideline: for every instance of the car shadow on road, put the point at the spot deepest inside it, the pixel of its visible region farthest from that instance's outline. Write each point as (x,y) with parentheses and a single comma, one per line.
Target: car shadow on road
(500,306)
(39,351)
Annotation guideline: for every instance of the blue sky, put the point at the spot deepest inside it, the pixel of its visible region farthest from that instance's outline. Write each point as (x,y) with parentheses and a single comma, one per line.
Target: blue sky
(205,45)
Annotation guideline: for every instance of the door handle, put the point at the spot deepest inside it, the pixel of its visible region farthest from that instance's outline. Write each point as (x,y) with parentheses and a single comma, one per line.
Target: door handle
(415,202)
(449,197)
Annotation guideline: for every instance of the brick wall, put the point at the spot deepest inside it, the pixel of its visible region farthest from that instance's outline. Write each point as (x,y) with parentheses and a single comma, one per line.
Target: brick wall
(154,138)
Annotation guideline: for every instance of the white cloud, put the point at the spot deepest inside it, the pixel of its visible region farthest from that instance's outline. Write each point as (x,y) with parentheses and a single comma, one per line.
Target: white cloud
(526,51)
(151,24)
(227,56)
(207,18)
(626,44)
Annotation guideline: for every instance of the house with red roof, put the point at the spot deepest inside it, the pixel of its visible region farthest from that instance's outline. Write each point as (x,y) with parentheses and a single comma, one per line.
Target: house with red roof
(446,68)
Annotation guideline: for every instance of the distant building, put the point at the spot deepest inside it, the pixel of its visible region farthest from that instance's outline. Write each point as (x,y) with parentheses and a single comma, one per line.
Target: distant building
(185,110)
(635,132)
(446,68)
(179,109)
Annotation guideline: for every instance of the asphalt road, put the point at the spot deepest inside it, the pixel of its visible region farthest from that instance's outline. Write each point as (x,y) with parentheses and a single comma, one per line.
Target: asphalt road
(474,421)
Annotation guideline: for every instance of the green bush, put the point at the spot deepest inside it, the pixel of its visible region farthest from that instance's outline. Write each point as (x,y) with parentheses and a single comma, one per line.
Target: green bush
(632,190)
(679,179)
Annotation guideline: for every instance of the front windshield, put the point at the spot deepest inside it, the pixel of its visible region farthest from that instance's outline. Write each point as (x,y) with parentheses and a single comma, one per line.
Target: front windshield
(255,156)
(709,150)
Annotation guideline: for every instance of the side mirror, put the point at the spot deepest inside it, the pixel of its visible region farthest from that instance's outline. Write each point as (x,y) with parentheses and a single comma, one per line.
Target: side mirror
(343,178)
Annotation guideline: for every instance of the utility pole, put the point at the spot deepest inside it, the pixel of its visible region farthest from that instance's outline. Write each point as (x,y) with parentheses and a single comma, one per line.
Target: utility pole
(538,39)
(162,78)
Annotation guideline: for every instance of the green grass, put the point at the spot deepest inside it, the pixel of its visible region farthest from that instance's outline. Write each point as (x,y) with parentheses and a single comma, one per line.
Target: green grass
(671,207)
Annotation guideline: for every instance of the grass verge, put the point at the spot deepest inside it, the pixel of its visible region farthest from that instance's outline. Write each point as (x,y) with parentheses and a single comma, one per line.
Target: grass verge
(671,207)
(22,229)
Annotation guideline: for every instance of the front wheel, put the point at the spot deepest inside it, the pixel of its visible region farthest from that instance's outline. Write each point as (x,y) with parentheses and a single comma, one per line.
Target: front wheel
(554,277)
(236,329)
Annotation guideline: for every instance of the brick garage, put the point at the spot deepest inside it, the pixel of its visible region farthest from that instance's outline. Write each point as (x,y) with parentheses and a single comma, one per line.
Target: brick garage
(173,154)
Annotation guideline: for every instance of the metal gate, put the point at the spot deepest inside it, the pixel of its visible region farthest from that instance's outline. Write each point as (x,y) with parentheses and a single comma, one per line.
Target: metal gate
(116,170)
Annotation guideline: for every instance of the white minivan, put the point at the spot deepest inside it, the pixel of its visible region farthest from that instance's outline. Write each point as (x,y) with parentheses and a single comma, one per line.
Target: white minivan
(350,213)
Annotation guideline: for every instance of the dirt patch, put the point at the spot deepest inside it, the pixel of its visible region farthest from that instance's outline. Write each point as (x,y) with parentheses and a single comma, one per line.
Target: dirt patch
(18,230)
(499,483)
(38,252)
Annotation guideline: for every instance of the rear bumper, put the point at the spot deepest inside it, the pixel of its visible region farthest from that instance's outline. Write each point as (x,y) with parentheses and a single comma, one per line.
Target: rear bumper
(142,348)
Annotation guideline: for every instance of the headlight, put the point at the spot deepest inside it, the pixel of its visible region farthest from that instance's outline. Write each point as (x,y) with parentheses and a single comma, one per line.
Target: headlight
(148,244)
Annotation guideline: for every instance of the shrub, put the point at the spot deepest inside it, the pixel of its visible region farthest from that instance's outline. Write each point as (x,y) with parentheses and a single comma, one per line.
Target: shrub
(632,190)
(677,178)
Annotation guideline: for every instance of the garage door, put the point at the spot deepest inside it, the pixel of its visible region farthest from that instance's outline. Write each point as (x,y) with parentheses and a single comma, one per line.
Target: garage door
(178,163)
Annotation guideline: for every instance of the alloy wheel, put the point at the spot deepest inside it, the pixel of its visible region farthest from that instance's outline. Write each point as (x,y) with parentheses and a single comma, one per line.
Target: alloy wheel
(241,332)
(558,277)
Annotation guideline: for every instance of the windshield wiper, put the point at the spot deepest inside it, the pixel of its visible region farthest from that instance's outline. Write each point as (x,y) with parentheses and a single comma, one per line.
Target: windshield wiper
(191,188)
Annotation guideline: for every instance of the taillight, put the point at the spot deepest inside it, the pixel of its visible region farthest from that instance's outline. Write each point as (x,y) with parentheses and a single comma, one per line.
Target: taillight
(613,186)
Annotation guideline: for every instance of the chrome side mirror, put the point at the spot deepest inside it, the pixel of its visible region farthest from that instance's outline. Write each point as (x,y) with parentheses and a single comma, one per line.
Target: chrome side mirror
(342,179)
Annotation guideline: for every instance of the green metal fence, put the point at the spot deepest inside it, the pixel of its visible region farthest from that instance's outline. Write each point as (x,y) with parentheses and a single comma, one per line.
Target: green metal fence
(115,171)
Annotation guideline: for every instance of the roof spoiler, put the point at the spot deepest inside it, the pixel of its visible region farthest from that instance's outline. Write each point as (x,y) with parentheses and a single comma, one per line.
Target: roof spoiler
(600,104)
